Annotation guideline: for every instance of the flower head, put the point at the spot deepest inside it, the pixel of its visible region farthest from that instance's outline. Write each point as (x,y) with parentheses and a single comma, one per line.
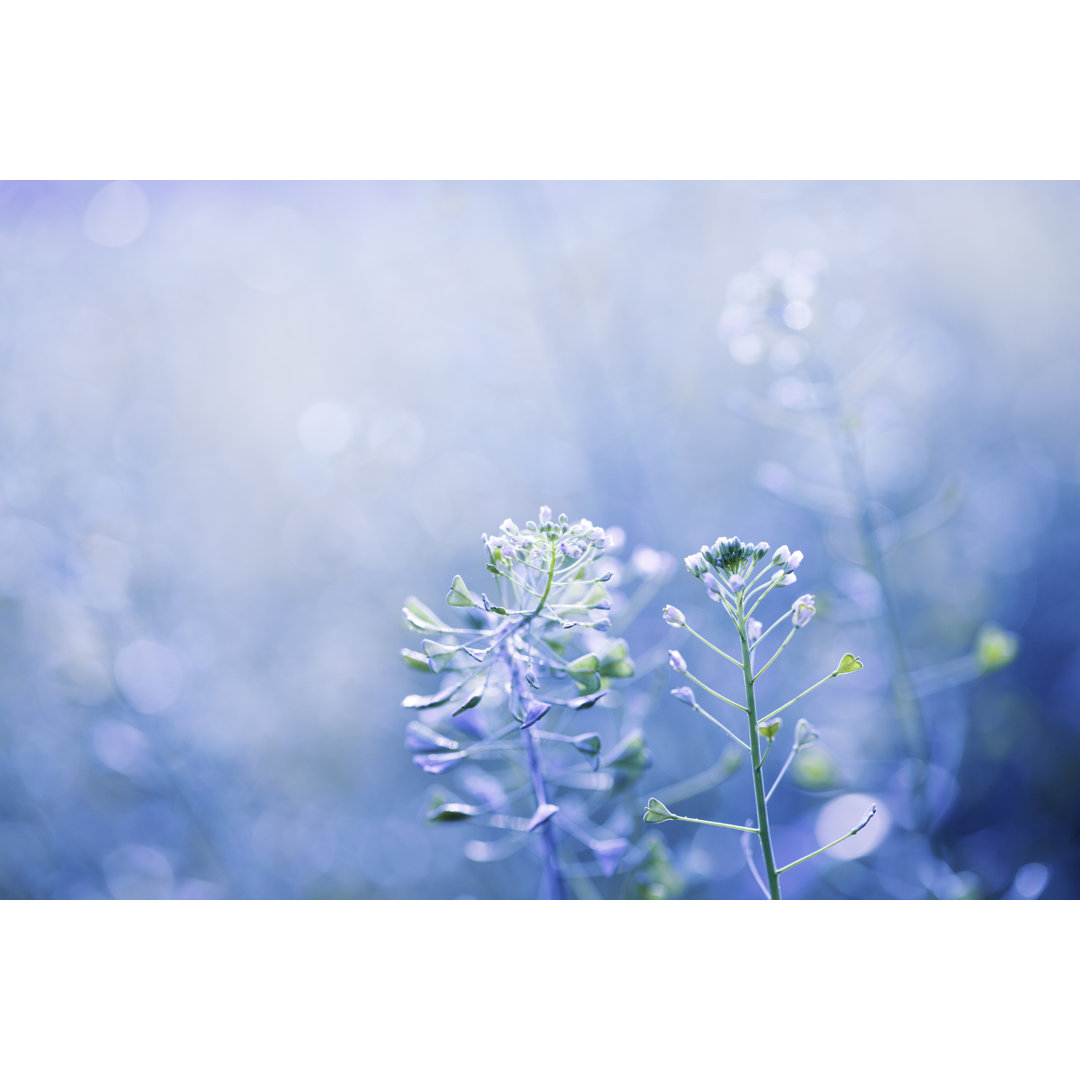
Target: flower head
(731,556)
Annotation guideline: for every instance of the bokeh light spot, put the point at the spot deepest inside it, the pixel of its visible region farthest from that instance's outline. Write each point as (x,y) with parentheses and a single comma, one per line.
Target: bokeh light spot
(120,746)
(137,872)
(746,349)
(798,315)
(325,429)
(1031,880)
(149,675)
(117,215)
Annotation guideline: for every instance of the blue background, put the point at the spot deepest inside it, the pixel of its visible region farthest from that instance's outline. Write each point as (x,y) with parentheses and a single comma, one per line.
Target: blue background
(239,423)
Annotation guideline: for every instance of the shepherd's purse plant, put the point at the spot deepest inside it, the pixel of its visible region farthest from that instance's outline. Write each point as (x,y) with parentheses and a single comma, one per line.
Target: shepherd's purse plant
(533,654)
(727,570)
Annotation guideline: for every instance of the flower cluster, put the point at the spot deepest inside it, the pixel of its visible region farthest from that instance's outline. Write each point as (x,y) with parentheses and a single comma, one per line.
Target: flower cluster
(528,563)
(726,566)
(535,651)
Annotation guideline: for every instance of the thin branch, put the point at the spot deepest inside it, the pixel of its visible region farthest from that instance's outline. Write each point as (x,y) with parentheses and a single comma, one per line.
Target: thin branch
(791,634)
(718,824)
(745,841)
(730,659)
(820,682)
(783,769)
(726,731)
(714,693)
(862,825)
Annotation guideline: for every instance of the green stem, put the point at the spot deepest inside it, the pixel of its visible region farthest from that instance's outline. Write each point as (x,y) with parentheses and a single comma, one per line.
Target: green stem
(703,686)
(730,659)
(780,774)
(791,634)
(726,731)
(786,615)
(551,577)
(772,585)
(862,825)
(763,832)
(718,824)
(820,682)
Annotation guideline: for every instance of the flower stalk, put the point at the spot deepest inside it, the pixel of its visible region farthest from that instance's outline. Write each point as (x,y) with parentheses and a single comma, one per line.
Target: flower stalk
(726,569)
(764,833)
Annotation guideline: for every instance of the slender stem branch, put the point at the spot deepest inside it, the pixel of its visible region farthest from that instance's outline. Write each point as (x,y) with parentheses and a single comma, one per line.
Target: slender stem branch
(761,573)
(820,682)
(745,841)
(718,824)
(709,716)
(783,769)
(714,693)
(550,579)
(730,659)
(751,593)
(791,634)
(862,825)
(763,636)
(772,585)
(761,764)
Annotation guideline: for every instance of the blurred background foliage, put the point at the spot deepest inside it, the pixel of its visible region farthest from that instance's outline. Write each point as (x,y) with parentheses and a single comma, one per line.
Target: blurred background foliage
(240,423)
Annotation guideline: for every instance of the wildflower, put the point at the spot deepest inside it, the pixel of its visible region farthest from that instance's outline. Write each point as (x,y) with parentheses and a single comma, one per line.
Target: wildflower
(685,695)
(673,616)
(787,560)
(753,630)
(696,564)
(715,589)
(802,611)
(676,660)
(516,656)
